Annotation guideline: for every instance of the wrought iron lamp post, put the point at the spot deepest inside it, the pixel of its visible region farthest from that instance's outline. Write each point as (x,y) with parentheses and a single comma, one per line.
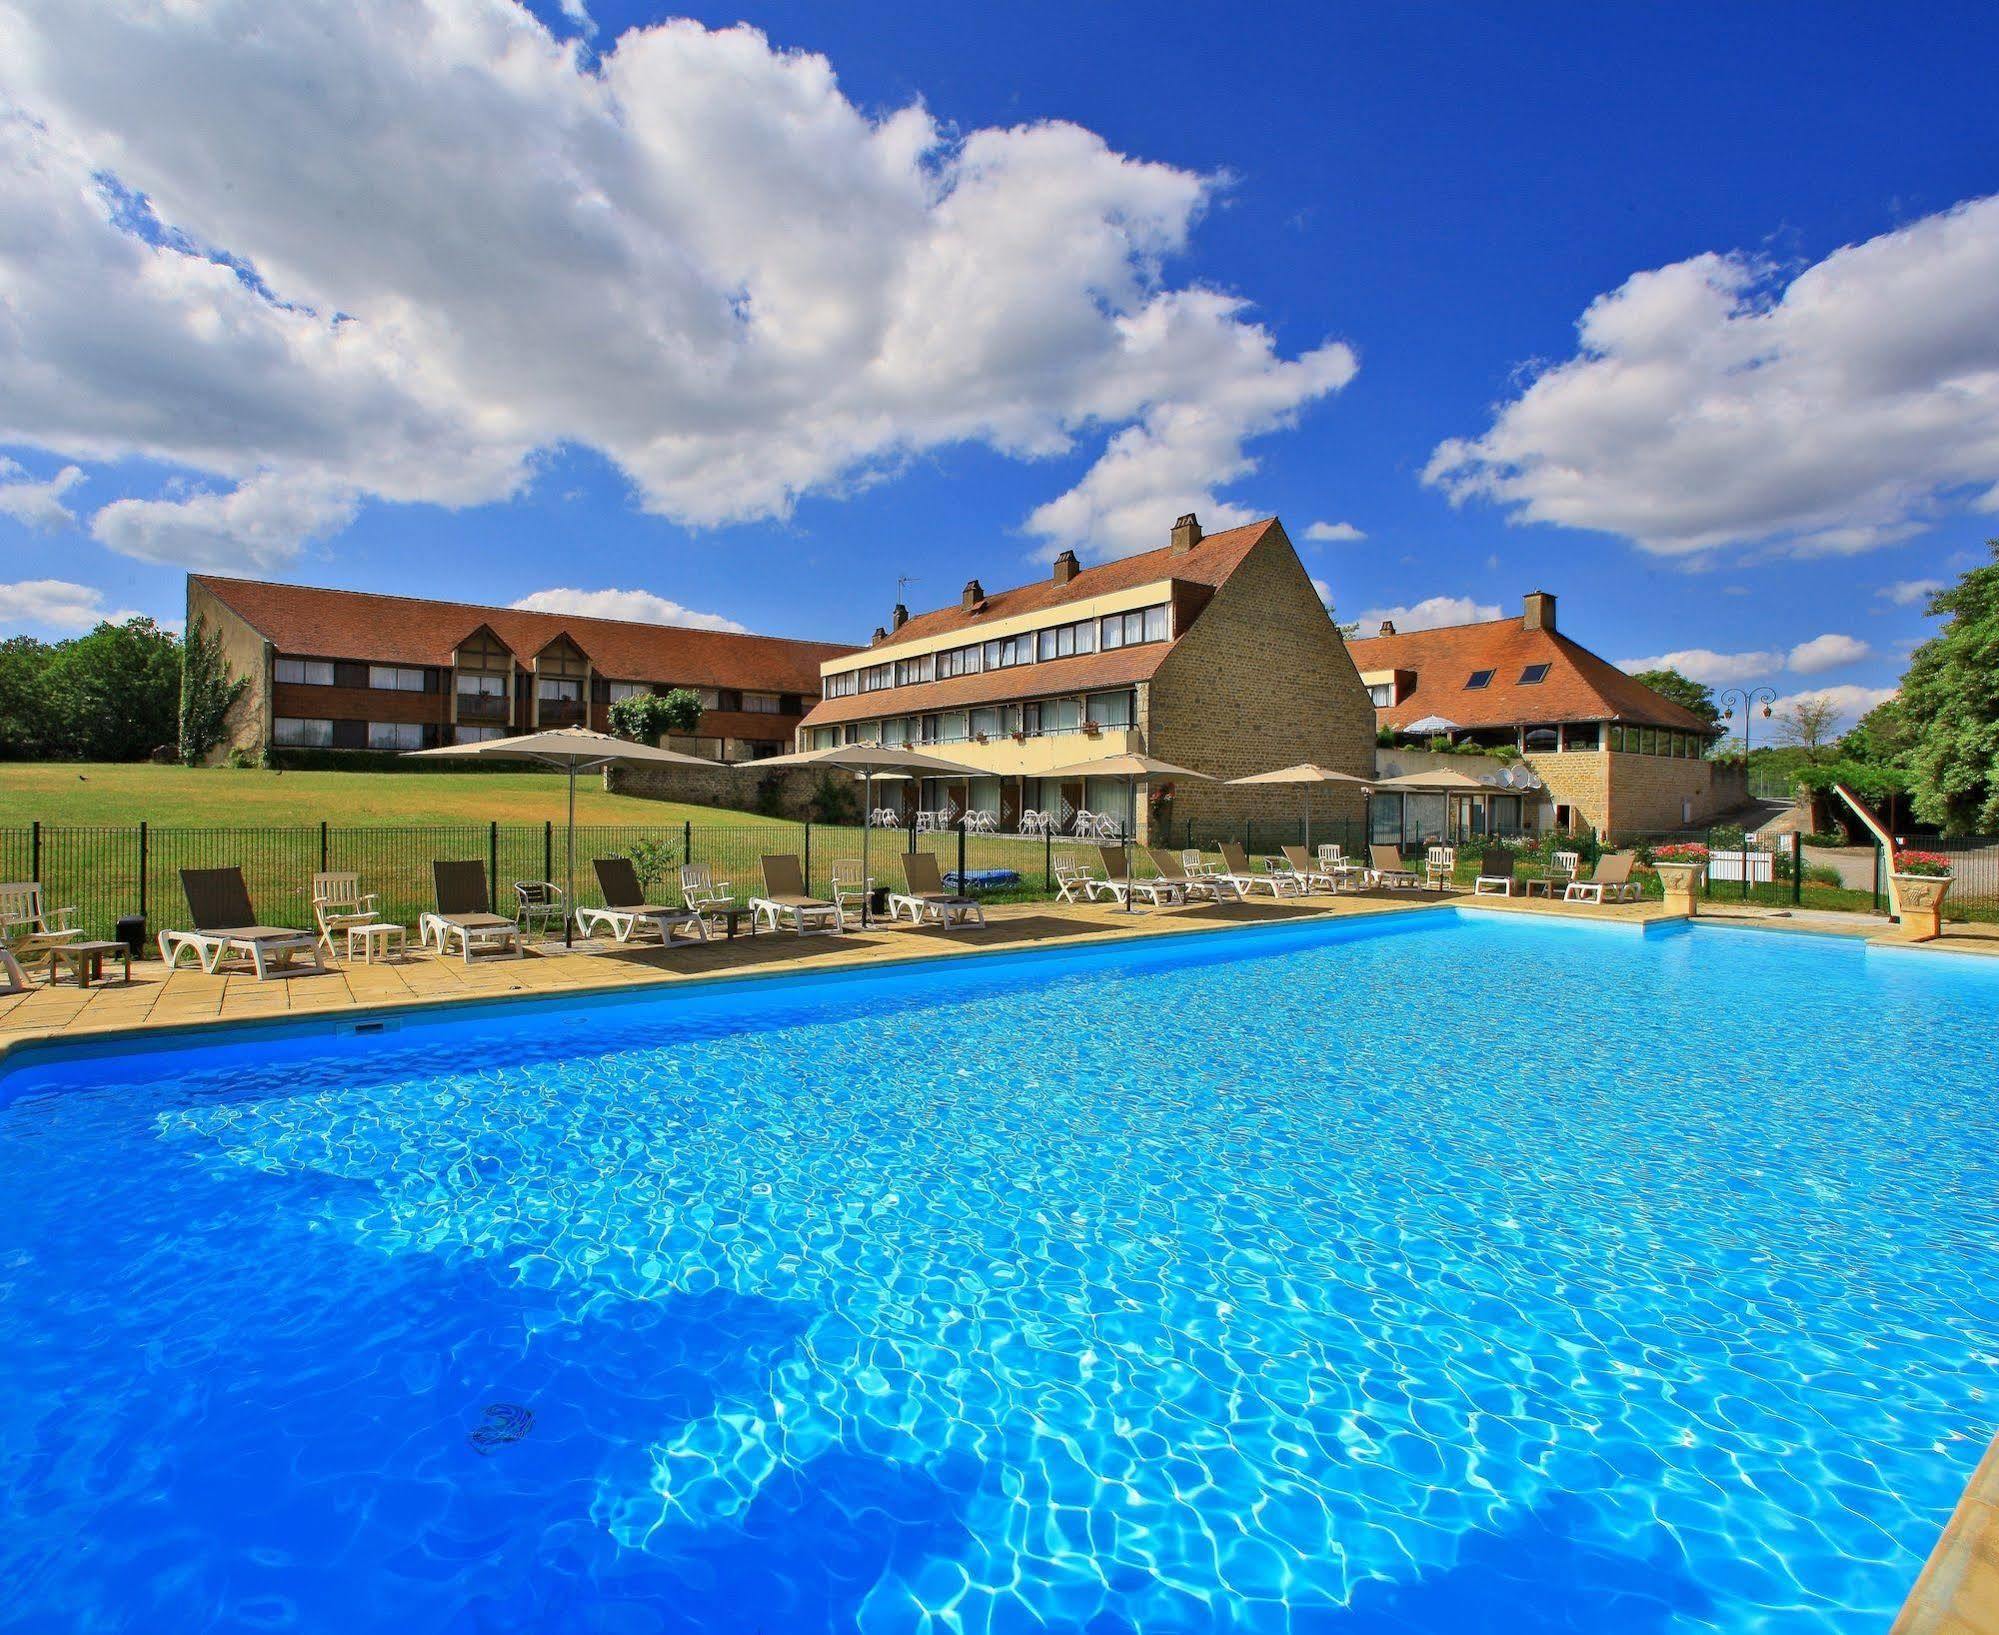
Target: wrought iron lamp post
(1749,698)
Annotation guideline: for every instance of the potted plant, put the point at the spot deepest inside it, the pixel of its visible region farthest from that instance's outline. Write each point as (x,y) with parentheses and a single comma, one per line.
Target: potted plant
(1680,868)
(1092,730)
(1921,881)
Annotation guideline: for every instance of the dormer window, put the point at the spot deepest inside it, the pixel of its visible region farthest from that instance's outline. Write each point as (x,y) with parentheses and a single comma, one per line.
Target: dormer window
(1533,675)
(1478,679)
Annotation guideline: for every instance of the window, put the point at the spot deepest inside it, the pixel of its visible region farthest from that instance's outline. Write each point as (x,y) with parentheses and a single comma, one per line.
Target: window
(1584,735)
(844,685)
(477,735)
(825,737)
(1005,653)
(877,678)
(473,686)
(1382,694)
(1129,629)
(1155,623)
(1616,738)
(897,731)
(910,671)
(1540,740)
(1533,675)
(620,690)
(1060,715)
(391,678)
(294,733)
(559,690)
(952,727)
(306,672)
(761,703)
(986,721)
(1110,709)
(395,735)
(1648,740)
(1478,679)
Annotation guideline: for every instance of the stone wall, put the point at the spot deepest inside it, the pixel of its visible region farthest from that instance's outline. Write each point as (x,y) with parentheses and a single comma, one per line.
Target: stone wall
(248,657)
(1261,680)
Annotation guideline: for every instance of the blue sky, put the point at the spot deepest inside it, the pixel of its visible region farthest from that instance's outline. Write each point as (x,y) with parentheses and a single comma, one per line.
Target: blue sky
(1416,205)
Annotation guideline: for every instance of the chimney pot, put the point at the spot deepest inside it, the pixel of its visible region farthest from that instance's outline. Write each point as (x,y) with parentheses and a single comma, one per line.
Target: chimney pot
(878,637)
(975,593)
(1539,611)
(1186,534)
(1066,567)
(899,617)
(1387,627)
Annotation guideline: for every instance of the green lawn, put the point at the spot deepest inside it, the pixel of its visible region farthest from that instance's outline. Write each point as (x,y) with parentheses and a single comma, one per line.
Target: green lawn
(195,797)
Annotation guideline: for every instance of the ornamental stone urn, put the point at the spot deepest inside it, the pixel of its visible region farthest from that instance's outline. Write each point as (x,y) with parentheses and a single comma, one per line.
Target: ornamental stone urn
(1681,880)
(1919,904)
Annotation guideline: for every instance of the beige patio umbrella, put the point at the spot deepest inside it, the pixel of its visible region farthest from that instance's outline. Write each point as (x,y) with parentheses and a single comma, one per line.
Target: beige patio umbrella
(869,762)
(1135,769)
(574,750)
(1305,774)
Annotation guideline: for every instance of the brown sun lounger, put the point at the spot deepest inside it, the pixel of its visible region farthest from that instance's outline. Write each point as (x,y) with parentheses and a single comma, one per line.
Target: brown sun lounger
(925,897)
(226,928)
(785,900)
(625,909)
(464,914)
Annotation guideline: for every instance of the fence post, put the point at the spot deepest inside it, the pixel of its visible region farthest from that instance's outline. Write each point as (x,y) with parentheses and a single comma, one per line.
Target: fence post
(548,848)
(808,857)
(1707,872)
(1877,874)
(1797,867)
(1249,838)
(142,868)
(322,846)
(687,841)
(1047,857)
(961,852)
(493,867)
(35,852)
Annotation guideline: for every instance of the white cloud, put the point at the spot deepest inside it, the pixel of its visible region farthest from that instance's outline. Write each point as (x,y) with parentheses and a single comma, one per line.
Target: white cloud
(1705,665)
(56,604)
(398,249)
(1431,613)
(1711,403)
(641,606)
(1827,652)
(1334,533)
(1911,592)
(1850,701)
(37,504)
(1324,588)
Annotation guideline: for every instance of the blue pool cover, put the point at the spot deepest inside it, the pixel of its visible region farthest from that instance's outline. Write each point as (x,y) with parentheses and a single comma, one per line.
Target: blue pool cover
(1428,1276)
(981,879)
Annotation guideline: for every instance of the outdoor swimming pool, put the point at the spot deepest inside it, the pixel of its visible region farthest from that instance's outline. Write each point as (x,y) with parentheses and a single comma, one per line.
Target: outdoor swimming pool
(1428,1275)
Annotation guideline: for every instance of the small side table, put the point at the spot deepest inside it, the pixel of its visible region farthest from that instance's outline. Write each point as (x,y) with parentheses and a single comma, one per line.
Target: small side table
(86,959)
(377,940)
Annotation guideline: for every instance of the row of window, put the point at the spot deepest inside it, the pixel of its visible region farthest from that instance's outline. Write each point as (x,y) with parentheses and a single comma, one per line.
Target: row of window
(315,732)
(1105,634)
(1039,719)
(1679,746)
(478,684)
(1531,675)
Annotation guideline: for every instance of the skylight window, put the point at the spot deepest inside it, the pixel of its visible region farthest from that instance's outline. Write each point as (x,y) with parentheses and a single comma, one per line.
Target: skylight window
(1533,675)
(1479,678)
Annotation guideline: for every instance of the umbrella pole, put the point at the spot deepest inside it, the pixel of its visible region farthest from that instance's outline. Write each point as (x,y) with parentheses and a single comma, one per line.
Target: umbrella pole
(1131,822)
(569,899)
(867,827)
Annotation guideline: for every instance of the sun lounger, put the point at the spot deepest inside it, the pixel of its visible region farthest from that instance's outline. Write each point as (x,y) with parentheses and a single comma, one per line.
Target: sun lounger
(226,928)
(1307,869)
(463,915)
(1495,874)
(338,902)
(1235,861)
(625,909)
(1609,882)
(1386,868)
(1172,867)
(1120,884)
(785,900)
(926,898)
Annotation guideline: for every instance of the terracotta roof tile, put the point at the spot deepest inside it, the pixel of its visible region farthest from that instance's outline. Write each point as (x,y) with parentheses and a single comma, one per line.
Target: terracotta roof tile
(1055,677)
(1208,563)
(365,627)
(1579,686)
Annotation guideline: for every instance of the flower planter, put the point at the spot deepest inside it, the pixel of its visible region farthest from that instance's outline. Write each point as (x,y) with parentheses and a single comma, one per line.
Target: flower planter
(1919,904)
(1681,881)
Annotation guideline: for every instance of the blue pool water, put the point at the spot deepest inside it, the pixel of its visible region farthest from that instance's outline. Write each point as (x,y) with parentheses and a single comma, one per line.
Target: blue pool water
(1440,1276)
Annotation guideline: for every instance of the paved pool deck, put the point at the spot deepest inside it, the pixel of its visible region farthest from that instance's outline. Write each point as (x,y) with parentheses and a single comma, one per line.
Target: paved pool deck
(1958,1591)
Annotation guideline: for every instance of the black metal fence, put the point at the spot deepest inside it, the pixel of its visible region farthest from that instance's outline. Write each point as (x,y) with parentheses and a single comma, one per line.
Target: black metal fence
(108,873)
(1782,871)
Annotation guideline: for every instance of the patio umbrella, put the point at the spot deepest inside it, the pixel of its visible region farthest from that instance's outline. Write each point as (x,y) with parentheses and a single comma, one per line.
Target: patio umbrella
(1447,783)
(1431,723)
(574,750)
(1135,770)
(869,762)
(1305,774)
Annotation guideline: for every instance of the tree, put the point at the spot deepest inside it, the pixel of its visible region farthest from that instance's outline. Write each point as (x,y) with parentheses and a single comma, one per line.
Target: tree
(1881,737)
(27,726)
(647,717)
(207,694)
(1807,724)
(112,694)
(1682,690)
(1950,702)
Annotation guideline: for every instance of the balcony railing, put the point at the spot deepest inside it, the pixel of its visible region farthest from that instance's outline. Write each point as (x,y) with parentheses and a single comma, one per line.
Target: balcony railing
(483,707)
(561,712)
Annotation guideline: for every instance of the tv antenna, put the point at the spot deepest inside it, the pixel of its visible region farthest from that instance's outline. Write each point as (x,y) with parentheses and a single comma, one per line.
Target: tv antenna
(902,582)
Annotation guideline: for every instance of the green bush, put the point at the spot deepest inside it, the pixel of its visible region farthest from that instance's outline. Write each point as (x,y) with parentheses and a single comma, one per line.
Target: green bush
(1825,838)
(834,800)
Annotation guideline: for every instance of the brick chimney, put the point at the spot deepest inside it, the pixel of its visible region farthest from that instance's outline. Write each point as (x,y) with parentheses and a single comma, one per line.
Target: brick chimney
(1387,627)
(1540,611)
(1186,534)
(899,617)
(975,593)
(1066,567)
(878,637)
